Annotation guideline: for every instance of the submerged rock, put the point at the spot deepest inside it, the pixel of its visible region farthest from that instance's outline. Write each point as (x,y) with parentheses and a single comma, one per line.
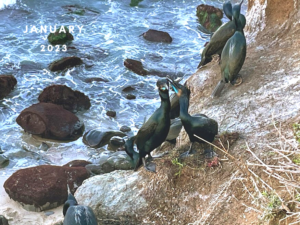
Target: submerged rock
(7,84)
(43,187)
(50,121)
(97,138)
(60,37)
(135,2)
(157,36)
(64,63)
(66,97)
(209,17)
(3,161)
(130,96)
(96,79)
(110,191)
(135,66)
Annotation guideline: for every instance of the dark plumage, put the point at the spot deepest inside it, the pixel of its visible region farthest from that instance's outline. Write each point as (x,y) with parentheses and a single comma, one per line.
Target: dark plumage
(200,125)
(233,54)
(154,132)
(77,214)
(221,36)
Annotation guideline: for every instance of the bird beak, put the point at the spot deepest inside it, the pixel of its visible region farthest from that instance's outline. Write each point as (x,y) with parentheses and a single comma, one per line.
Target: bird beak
(174,86)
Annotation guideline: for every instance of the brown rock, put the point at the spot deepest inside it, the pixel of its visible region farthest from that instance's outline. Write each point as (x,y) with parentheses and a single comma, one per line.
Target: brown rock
(135,66)
(66,97)
(96,79)
(7,84)
(157,36)
(77,163)
(43,187)
(50,121)
(65,63)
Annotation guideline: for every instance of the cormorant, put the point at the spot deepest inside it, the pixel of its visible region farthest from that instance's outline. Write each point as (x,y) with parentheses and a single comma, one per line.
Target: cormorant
(77,214)
(221,36)
(200,125)
(233,54)
(154,132)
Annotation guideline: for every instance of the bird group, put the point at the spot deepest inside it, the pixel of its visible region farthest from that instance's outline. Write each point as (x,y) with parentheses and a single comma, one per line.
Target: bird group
(230,44)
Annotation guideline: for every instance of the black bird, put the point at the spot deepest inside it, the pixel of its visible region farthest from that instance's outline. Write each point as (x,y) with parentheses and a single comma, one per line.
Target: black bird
(199,125)
(154,132)
(77,214)
(221,36)
(233,55)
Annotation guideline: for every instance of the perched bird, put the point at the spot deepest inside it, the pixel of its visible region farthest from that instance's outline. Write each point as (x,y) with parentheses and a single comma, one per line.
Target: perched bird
(233,55)
(199,125)
(155,130)
(77,214)
(221,36)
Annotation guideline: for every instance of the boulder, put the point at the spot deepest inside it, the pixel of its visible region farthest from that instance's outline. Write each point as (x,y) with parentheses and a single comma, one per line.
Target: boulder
(7,84)
(77,163)
(117,141)
(60,37)
(64,63)
(209,17)
(135,66)
(66,97)
(43,187)
(116,196)
(50,121)
(97,138)
(157,36)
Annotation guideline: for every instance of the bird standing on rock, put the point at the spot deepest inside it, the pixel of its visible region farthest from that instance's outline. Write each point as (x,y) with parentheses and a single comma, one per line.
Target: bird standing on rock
(77,214)
(155,130)
(233,54)
(221,36)
(199,125)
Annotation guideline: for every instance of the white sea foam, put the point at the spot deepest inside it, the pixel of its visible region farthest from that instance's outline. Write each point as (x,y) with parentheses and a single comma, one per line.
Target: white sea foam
(5,3)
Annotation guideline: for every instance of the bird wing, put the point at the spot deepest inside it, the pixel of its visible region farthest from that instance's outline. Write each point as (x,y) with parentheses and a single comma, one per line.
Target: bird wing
(145,133)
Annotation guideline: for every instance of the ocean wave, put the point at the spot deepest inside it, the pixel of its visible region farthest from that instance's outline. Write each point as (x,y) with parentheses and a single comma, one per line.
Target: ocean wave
(5,3)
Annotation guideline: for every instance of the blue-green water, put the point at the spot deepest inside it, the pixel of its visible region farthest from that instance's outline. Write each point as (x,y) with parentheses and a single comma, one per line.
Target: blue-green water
(107,39)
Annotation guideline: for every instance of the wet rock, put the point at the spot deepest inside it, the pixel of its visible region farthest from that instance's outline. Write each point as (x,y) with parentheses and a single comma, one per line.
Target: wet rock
(157,36)
(175,129)
(96,79)
(50,121)
(111,113)
(135,66)
(209,17)
(43,187)
(3,161)
(64,63)
(79,10)
(77,163)
(61,36)
(128,89)
(130,96)
(7,84)
(3,220)
(44,146)
(110,191)
(135,2)
(66,97)
(125,129)
(97,138)
(117,141)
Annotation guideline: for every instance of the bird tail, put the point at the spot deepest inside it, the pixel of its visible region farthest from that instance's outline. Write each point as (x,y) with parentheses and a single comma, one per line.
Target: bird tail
(218,89)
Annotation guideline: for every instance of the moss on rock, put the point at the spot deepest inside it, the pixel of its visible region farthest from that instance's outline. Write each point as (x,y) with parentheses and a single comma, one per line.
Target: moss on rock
(60,37)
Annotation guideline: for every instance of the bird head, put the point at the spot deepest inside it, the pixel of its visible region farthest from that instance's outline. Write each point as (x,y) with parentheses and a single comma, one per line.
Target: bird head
(163,85)
(71,201)
(178,88)
(236,10)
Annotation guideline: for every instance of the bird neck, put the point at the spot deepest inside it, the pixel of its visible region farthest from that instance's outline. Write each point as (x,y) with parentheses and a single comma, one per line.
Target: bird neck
(238,24)
(165,102)
(184,106)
